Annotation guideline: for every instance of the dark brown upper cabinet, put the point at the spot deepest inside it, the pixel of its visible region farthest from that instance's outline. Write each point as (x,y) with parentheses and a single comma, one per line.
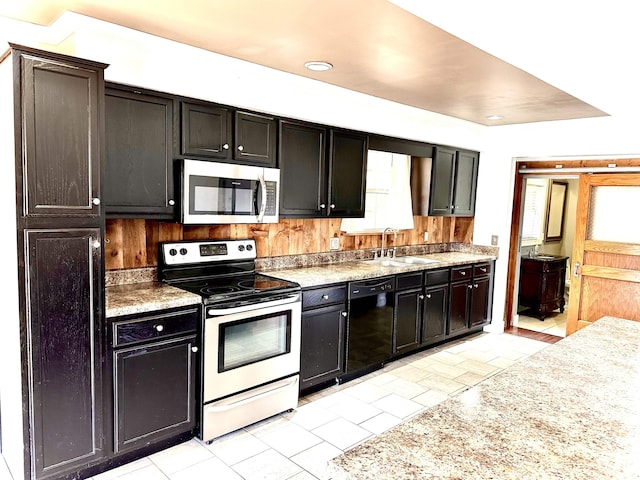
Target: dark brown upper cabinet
(302,169)
(61,132)
(454,177)
(319,183)
(347,174)
(206,131)
(255,139)
(140,138)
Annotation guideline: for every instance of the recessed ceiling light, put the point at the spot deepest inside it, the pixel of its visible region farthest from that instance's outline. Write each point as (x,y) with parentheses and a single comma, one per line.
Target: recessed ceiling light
(318,66)
(495,117)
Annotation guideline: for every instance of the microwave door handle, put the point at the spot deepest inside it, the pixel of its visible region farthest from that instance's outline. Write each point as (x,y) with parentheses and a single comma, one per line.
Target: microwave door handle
(263,203)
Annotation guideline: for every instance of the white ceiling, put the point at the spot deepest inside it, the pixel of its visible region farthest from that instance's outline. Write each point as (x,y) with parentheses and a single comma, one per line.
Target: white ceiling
(534,61)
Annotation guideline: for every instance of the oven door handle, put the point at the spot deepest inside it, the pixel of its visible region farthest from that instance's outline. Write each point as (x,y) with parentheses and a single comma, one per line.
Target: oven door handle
(216,312)
(223,408)
(263,200)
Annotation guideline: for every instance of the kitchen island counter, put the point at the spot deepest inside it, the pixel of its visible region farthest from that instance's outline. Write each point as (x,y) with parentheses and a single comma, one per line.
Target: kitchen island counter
(568,412)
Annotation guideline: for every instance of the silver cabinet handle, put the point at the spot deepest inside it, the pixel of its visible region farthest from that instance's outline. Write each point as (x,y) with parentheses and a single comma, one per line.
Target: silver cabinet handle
(225,146)
(428,295)
(475,285)
(159,328)
(344,314)
(333,205)
(421,297)
(96,201)
(483,270)
(194,349)
(172,202)
(322,205)
(469,286)
(325,297)
(463,273)
(240,148)
(96,244)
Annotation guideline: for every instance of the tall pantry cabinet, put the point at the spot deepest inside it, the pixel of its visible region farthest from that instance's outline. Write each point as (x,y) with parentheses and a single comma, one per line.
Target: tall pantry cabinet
(51,389)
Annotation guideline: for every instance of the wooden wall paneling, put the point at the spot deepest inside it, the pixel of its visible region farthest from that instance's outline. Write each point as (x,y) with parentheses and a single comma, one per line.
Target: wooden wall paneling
(114,245)
(134,243)
(219,232)
(315,235)
(195,232)
(435,227)
(260,233)
(296,236)
(463,230)
(279,238)
(170,232)
(152,230)
(239,231)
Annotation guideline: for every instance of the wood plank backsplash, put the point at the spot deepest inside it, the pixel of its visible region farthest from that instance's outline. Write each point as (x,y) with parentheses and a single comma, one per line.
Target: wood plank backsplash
(133,243)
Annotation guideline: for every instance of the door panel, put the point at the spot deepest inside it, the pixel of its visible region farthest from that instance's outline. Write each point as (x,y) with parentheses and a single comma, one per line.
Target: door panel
(606,274)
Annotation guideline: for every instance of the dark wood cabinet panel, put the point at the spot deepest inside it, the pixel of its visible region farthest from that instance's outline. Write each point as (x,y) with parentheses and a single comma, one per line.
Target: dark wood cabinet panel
(139,135)
(407,321)
(435,314)
(542,283)
(454,177)
(64,290)
(255,139)
(302,169)
(347,174)
(61,131)
(460,296)
(154,392)
(480,313)
(206,131)
(322,344)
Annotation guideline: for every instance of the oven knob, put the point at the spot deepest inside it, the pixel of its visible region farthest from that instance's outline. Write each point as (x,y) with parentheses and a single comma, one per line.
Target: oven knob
(249,247)
(173,252)
(183,251)
(241,248)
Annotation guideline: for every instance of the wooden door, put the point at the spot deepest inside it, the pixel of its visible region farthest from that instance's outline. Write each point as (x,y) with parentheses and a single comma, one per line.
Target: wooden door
(606,271)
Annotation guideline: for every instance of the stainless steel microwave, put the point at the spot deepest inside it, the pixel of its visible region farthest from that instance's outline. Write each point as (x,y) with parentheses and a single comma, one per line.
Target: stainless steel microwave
(228,193)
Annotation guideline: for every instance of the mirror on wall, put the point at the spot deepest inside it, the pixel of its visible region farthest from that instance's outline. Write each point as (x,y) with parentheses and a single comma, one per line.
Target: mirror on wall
(556,206)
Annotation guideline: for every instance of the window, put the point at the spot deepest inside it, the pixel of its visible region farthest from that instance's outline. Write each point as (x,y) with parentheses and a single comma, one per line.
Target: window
(535,202)
(388,195)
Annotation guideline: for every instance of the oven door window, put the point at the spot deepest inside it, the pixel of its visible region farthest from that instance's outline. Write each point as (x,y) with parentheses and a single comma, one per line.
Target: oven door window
(253,340)
(222,196)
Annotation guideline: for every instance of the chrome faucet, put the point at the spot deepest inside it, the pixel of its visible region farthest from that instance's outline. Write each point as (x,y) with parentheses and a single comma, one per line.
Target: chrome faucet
(384,253)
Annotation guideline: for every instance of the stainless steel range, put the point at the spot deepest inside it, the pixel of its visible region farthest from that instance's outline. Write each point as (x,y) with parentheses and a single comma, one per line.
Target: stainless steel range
(251,332)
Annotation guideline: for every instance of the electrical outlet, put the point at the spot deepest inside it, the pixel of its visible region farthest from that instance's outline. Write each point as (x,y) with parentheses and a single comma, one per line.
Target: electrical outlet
(334,243)
(494,240)
(426,236)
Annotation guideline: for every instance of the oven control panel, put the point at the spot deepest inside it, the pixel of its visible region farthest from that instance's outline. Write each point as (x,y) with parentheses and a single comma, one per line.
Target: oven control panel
(178,253)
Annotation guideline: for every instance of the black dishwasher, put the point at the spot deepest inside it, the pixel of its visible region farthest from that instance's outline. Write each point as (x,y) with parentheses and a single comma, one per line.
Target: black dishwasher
(370,325)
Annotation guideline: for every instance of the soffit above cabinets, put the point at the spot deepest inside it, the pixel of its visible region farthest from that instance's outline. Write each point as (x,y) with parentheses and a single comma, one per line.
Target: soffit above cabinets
(376,48)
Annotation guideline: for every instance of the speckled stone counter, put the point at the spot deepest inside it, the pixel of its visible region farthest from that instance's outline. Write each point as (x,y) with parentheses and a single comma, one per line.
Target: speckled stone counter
(570,411)
(145,297)
(359,270)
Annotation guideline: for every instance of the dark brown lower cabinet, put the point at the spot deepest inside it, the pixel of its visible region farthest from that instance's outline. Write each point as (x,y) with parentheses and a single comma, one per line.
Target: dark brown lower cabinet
(322,335)
(459,308)
(471,298)
(154,378)
(434,314)
(64,288)
(407,313)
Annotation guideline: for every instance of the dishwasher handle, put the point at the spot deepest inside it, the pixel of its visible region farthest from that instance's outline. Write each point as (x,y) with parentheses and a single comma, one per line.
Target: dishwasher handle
(371,287)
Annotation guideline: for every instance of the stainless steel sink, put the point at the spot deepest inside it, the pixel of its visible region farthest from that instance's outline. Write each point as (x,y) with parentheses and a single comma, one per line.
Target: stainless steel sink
(385,263)
(415,260)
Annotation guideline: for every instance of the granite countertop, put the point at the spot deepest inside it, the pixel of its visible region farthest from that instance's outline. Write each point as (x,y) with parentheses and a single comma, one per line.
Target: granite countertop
(363,269)
(141,297)
(146,297)
(571,411)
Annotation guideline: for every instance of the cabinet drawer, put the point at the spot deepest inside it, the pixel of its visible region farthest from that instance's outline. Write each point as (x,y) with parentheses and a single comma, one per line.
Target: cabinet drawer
(436,277)
(410,280)
(151,327)
(324,296)
(461,273)
(482,269)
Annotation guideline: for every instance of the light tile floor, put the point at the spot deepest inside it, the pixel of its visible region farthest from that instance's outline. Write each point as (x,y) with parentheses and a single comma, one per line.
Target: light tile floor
(297,445)
(554,324)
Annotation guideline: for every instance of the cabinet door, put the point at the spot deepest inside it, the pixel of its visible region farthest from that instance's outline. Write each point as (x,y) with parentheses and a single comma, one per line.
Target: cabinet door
(434,316)
(61,114)
(406,321)
(466,178)
(347,174)
(255,139)
(441,191)
(480,313)
(206,131)
(459,307)
(64,291)
(154,392)
(322,344)
(302,161)
(139,132)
